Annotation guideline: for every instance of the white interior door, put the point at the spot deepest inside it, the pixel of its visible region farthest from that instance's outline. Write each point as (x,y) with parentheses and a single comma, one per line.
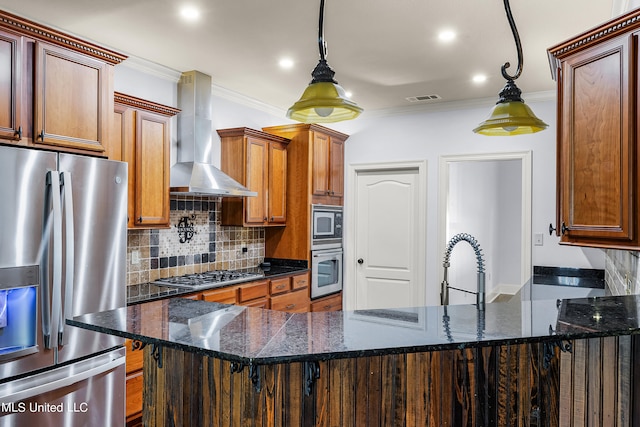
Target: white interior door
(389,236)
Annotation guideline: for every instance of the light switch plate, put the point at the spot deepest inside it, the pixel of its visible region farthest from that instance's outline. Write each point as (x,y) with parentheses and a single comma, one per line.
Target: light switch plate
(538,239)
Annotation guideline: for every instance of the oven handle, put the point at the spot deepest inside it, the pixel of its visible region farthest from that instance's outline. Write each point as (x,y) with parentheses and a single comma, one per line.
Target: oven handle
(329,255)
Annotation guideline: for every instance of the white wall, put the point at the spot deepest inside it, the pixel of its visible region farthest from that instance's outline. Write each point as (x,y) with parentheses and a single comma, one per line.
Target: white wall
(410,136)
(430,134)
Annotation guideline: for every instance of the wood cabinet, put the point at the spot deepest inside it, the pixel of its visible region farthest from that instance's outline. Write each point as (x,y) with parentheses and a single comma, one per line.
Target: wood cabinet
(72,100)
(255,294)
(224,295)
(134,385)
(290,293)
(330,303)
(56,91)
(142,139)
(258,161)
(328,169)
(315,166)
(11,78)
(597,164)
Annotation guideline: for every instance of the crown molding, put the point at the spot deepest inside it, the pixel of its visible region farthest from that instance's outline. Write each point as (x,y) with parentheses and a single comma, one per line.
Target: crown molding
(57,37)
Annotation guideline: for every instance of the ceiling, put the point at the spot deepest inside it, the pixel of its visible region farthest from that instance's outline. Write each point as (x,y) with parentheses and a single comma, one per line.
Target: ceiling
(382,51)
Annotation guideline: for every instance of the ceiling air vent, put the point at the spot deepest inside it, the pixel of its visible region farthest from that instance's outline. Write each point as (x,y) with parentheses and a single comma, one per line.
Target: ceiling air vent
(423,98)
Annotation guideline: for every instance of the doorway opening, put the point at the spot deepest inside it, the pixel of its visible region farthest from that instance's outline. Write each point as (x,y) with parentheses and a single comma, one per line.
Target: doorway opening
(489,197)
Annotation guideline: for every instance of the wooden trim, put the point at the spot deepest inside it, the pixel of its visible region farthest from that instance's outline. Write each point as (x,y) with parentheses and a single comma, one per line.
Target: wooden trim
(143,104)
(300,127)
(41,32)
(252,133)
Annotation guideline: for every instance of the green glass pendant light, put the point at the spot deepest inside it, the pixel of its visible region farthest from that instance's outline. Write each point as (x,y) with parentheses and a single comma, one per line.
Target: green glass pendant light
(324,100)
(511,116)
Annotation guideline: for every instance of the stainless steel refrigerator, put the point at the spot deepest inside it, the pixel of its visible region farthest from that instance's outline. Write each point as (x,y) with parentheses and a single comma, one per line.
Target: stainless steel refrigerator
(63,231)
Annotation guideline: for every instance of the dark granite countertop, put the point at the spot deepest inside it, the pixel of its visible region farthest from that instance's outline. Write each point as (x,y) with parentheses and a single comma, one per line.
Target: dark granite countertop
(563,276)
(257,336)
(146,292)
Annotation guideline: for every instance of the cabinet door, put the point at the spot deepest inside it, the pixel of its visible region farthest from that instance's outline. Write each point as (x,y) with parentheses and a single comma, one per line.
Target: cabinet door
(151,170)
(277,190)
(10,86)
(224,296)
(293,302)
(71,107)
(257,170)
(336,168)
(597,162)
(320,168)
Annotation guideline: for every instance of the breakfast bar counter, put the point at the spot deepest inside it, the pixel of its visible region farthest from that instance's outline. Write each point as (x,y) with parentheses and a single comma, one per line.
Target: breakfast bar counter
(521,362)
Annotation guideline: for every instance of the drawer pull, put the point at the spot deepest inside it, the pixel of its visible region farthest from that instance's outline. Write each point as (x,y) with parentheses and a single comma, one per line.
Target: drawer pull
(290,306)
(302,282)
(281,287)
(327,307)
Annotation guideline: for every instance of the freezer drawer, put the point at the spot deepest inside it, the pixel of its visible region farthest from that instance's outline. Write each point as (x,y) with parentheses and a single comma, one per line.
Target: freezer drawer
(90,392)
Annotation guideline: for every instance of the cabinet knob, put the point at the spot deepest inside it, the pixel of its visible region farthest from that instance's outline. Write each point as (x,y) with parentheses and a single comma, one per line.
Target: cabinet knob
(265,219)
(139,219)
(360,260)
(563,229)
(19,133)
(41,135)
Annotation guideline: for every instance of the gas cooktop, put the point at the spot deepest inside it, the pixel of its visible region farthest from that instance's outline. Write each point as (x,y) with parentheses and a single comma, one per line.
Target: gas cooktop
(209,279)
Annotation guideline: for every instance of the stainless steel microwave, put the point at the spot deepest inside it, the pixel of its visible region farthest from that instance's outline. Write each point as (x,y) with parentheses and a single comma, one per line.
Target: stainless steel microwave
(326,227)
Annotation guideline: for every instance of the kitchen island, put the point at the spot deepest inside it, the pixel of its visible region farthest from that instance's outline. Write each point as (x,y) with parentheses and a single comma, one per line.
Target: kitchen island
(522,362)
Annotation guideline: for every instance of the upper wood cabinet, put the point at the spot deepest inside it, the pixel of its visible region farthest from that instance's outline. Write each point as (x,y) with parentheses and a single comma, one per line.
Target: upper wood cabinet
(11,53)
(315,174)
(258,161)
(56,91)
(72,100)
(597,164)
(141,137)
(328,169)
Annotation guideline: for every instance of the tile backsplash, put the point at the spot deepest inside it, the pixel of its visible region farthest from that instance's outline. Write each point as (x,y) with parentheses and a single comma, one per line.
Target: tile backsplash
(154,254)
(621,272)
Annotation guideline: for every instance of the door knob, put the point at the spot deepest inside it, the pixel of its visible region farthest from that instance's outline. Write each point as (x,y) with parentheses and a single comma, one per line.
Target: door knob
(360,260)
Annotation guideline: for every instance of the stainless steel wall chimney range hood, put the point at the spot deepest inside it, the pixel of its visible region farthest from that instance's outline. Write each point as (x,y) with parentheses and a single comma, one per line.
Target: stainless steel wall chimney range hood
(194,174)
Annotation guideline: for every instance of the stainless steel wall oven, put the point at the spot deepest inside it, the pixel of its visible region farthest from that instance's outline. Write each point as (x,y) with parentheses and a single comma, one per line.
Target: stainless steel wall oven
(326,272)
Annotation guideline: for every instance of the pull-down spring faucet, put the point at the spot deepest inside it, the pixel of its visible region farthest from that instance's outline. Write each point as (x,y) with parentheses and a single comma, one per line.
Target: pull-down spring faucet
(444,289)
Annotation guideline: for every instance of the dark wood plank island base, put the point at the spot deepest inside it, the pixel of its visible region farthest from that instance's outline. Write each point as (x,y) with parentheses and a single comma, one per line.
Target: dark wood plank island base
(507,385)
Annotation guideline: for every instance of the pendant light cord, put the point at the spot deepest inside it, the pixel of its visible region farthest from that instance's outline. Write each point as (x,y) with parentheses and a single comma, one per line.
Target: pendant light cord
(514,30)
(321,43)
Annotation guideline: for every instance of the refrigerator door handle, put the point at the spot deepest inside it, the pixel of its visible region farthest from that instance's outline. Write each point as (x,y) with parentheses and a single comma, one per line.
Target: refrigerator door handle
(67,199)
(21,395)
(51,296)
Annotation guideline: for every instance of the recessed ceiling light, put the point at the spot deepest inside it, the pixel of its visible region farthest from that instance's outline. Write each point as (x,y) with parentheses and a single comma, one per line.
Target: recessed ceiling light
(479,78)
(446,36)
(286,63)
(190,13)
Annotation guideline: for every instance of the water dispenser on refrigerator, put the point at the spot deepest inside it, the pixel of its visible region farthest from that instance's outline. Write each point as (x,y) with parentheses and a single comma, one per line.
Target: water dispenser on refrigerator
(18,311)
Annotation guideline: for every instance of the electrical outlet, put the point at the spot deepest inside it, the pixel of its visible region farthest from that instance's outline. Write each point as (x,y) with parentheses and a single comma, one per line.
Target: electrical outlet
(135,257)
